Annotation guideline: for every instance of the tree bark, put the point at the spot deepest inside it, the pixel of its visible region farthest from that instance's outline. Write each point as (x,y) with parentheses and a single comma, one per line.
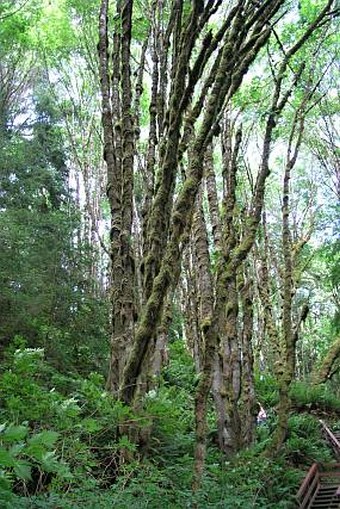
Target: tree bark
(163,261)
(328,367)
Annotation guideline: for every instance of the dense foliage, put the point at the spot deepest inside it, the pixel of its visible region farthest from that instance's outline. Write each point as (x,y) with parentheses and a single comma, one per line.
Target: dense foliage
(60,446)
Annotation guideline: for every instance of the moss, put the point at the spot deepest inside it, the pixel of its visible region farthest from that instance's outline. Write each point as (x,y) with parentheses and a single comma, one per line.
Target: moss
(205,324)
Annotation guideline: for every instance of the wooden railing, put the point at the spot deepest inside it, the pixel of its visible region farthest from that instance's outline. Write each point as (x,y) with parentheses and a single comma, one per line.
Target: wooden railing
(309,487)
(332,439)
(321,487)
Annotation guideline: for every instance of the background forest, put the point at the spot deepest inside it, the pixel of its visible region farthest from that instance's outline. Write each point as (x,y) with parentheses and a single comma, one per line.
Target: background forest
(169,250)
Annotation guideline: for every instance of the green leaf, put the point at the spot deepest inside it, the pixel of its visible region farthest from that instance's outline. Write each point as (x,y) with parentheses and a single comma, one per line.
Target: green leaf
(14,433)
(90,425)
(35,451)
(64,471)
(22,470)
(5,483)
(16,449)
(125,443)
(47,438)
(49,462)
(6,459)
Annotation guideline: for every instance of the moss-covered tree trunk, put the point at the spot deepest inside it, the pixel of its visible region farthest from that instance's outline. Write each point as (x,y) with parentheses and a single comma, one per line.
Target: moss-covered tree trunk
(248,396)
(118,154)
(288,348)
(168,224)
(190,307)
(266,287)
(207,356)
(235,248)
(329,366)
(289,333)
(227,293)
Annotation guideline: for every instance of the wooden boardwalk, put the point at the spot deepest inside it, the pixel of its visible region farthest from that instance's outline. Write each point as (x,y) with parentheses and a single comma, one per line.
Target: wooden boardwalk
(321,487)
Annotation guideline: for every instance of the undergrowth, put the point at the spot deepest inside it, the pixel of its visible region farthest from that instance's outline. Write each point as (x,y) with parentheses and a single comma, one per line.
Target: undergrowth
(315,397)
(62,444)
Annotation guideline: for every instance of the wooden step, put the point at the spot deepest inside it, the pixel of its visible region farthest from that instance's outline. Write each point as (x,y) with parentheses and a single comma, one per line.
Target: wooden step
(321,487)
(324,504)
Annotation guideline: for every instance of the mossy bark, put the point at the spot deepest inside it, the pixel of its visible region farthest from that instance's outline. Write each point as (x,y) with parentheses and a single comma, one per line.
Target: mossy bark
(160,210)
(287,324)
(206,303)
(119,148)
(274,355)
(162,262)
(227,295)
(213,202)
(189,288)
(329,365)
(289,333)
(234,250)
(113,189)
(160,354)
(249,407)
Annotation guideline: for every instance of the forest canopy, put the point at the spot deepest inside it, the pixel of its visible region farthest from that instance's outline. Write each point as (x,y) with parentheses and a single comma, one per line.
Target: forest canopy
(169,250)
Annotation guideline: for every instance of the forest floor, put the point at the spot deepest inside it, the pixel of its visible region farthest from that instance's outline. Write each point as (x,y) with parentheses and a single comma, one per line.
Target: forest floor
(59,447)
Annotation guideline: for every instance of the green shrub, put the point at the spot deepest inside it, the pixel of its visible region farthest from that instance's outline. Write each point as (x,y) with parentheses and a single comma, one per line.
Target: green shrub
(267,390)
(305,444)
(63,440)
(28,461)
(315,396)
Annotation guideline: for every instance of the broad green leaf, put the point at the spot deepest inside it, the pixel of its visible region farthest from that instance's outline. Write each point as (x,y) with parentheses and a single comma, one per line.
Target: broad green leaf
(14,433)
(6,459)
(49,462)
(35,451)
(16,449)
(22,469)
(47,438)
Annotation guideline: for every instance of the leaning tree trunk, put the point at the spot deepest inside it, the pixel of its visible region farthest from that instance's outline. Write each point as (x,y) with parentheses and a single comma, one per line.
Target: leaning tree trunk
(329,366)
